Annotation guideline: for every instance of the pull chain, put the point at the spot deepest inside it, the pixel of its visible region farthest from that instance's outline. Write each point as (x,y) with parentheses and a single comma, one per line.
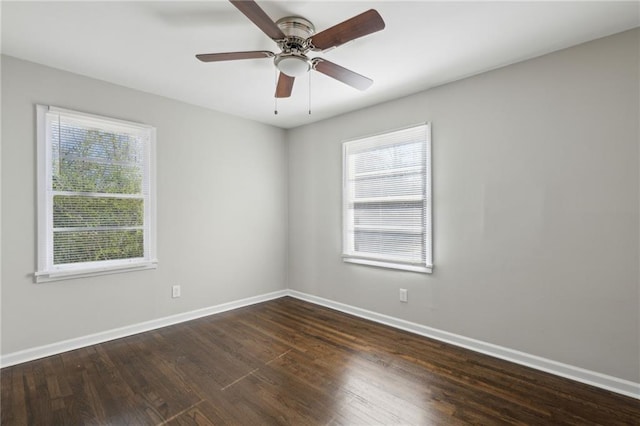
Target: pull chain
(275,96)
(309,93)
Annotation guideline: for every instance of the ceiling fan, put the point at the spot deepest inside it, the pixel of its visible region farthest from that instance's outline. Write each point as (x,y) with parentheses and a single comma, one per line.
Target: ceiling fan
(296,37)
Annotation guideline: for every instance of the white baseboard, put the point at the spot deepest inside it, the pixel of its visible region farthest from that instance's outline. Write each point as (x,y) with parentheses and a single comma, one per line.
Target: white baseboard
(593,378)
(578,374)
(117,333)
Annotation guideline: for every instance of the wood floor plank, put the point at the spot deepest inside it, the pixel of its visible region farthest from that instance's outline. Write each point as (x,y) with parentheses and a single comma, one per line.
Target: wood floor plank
(192,417)
(149,375)
(13,403)
(287,361)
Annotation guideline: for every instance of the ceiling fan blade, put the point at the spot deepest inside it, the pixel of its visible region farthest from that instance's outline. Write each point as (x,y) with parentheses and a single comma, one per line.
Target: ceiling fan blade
(366,23)
(342,74)
(232,56)
(251,10)
(285,86)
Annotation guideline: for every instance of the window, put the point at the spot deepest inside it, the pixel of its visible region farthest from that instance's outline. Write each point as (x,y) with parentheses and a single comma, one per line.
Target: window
(96,195)
(387,200)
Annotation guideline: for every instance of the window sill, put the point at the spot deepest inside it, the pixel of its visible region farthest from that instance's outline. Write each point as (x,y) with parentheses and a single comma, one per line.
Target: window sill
(48,276)
(390,265)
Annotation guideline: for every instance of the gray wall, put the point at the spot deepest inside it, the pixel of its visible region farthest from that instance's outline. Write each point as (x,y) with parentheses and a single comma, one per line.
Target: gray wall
(222,211)
(536,194)
(536,187)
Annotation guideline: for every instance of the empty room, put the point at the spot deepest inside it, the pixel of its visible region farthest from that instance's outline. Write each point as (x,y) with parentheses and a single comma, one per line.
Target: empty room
(320,213)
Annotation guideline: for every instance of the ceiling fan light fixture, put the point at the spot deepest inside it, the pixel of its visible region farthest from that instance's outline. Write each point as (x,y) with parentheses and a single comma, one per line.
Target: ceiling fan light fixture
(293,65)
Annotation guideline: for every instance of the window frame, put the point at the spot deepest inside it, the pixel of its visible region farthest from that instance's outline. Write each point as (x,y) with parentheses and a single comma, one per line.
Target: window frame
(381,260)
(46,270)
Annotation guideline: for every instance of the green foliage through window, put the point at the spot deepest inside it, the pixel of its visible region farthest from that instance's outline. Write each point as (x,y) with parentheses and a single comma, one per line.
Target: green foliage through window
(98,203)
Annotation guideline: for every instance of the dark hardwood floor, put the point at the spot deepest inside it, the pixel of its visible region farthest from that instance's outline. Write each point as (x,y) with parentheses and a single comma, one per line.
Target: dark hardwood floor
(290,362)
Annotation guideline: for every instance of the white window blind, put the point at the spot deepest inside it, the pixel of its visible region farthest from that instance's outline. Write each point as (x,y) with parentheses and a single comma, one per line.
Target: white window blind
(96,206)
(387,200)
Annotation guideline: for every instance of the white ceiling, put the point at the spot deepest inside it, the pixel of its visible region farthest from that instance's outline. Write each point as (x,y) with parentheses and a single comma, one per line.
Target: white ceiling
(150,46)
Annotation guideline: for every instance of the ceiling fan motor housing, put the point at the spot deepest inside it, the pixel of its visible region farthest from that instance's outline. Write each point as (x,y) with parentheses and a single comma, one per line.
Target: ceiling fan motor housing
(292,61)
(297,29)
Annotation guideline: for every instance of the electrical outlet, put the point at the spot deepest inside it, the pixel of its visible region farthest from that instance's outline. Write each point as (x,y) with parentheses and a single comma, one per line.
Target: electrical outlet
(404,295)
(175,291)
